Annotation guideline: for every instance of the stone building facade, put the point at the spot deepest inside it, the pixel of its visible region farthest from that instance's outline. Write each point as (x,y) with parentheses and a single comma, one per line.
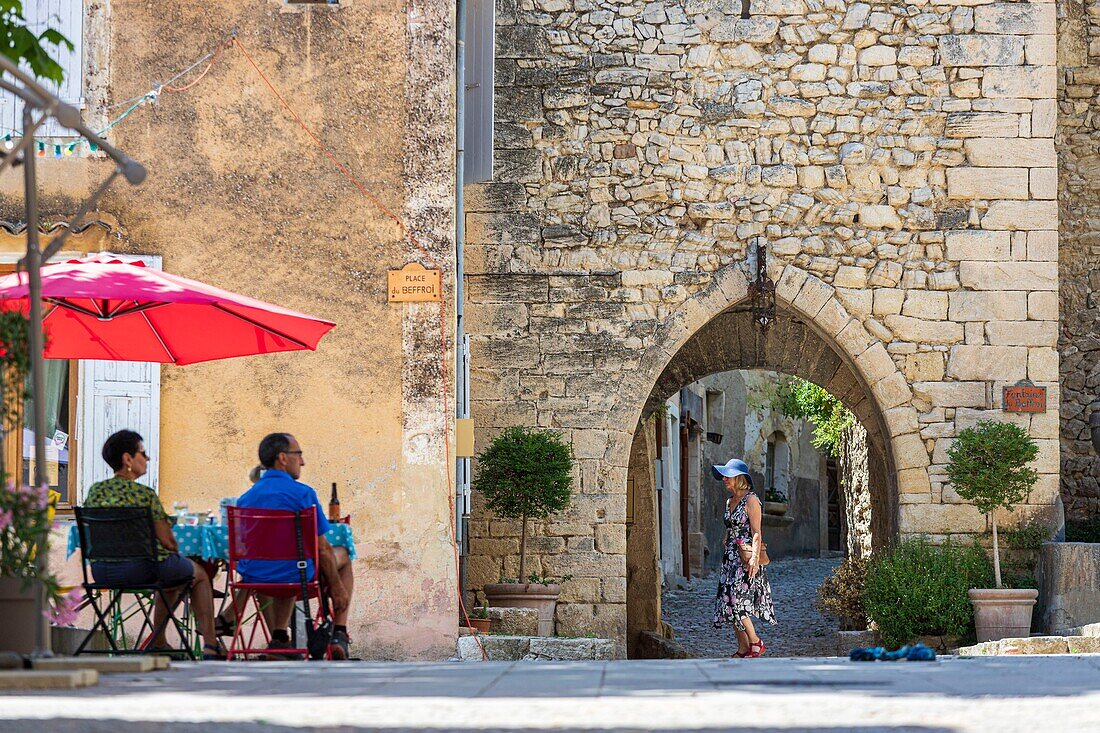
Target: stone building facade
(238,196)
(898,162)
(1078,142)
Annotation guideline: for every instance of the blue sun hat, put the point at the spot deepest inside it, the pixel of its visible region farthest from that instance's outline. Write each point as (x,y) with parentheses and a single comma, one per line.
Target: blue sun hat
(735,467)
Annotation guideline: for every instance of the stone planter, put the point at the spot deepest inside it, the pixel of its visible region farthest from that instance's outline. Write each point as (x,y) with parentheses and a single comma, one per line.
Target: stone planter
(777,508)
(1001,613)
(543,598)
(17,612)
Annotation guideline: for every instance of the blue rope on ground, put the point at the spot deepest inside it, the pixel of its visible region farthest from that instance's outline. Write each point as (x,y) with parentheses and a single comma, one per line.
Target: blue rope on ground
(914,653)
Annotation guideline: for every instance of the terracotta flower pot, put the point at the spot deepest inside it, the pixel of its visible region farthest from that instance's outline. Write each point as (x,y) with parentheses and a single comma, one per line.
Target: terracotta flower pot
(543,598)
(481,624)
(1002,613)
(17,612)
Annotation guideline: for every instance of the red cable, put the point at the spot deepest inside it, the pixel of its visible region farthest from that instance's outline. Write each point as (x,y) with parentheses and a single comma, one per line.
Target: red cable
(406,234)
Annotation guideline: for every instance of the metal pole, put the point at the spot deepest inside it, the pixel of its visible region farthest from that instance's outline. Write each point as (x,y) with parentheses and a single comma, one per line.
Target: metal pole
(38,371)
(461,387)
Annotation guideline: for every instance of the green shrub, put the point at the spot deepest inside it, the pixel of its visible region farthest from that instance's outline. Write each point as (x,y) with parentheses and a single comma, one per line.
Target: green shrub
(525,473)
(797,398)
(918,588)
(841,594)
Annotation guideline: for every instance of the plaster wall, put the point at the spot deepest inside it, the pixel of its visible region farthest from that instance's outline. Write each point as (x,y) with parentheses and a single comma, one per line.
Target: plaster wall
(239,197)
(898,162)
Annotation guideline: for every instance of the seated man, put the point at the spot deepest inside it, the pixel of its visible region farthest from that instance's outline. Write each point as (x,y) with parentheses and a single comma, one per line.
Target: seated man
(279,488)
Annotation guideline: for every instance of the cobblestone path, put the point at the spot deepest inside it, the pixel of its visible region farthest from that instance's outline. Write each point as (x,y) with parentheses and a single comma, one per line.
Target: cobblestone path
(802,631)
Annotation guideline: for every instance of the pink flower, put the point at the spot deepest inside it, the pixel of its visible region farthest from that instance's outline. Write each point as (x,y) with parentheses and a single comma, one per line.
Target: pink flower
(5,519)
(65,609)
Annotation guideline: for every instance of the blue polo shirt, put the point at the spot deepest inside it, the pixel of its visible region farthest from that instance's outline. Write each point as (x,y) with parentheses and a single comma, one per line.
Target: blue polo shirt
(278,490)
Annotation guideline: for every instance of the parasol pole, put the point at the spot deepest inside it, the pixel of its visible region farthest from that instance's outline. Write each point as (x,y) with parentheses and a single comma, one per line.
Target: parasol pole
(38,368)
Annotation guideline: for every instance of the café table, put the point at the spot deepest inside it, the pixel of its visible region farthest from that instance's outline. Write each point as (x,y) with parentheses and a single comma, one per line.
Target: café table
(211,541)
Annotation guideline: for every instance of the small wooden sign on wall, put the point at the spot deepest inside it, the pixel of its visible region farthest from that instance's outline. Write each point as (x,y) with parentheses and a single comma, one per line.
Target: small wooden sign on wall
(414,283)
(1024,397)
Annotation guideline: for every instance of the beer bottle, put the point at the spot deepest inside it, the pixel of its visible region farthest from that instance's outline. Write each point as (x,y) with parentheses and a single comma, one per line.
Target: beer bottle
(334,505)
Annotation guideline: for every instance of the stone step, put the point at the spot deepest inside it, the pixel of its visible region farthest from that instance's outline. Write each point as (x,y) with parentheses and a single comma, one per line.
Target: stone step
(31,679)
(104,665)
(1086,630)
(514,648)
(1034,645)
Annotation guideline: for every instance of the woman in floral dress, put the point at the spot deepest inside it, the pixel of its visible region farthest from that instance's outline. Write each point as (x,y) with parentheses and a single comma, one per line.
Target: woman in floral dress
(743,589)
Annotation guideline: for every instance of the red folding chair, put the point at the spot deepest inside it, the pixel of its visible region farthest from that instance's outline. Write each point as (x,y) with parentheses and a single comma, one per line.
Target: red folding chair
(271,534)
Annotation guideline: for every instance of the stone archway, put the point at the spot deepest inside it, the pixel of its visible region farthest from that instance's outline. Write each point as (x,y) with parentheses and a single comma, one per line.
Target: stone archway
(813,337)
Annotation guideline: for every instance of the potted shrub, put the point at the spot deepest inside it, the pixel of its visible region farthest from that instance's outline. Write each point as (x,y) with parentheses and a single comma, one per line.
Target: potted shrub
(479,619)
(775,502)
(989,466)
(526,473)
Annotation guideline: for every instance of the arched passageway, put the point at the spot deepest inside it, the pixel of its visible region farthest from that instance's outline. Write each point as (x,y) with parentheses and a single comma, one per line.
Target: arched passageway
(731,341)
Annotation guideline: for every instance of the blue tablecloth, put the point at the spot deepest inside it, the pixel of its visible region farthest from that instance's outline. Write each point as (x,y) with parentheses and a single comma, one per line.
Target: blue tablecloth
(211,541)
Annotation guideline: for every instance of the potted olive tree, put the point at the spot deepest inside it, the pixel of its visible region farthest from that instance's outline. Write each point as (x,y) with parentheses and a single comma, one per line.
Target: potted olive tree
(989,466)
(526,473)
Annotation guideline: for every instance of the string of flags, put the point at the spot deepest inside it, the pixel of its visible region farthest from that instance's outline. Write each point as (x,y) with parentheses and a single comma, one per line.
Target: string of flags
(63,150)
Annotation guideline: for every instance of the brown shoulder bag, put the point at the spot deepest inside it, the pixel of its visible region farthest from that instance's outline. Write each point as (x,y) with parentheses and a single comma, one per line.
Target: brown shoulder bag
(745,551)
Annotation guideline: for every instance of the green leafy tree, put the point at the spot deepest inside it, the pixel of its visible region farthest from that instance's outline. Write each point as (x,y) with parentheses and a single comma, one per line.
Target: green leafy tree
(22,45)
(525,473)
(797,398)
(988,465)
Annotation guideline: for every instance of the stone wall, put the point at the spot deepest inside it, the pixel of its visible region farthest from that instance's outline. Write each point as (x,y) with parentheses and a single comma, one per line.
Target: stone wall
(1079,199)
(897,160)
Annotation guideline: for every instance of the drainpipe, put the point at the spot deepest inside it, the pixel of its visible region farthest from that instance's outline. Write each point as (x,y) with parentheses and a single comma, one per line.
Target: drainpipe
(462,386)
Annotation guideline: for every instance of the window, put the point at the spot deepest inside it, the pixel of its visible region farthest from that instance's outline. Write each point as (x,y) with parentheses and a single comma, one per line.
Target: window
(67,17)
(715,406)
(777,465)
(61,382)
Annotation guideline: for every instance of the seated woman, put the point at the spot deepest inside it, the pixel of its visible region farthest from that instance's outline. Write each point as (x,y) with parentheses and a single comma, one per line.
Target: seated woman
(125,453)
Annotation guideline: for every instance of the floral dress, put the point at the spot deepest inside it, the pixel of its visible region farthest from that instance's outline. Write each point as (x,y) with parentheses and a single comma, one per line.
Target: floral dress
(738,594)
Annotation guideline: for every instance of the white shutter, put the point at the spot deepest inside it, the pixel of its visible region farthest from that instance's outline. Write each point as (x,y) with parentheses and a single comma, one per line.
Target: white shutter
(67,17)
(478,117)
(112,396)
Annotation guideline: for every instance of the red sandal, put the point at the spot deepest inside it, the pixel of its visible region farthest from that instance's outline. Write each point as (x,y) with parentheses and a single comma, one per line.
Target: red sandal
(756,649)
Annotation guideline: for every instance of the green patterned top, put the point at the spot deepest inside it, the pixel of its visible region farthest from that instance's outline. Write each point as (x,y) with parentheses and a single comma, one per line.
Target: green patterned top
(117,491)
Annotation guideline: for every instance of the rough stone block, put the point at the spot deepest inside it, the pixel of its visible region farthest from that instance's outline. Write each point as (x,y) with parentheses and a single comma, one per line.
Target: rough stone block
(981,50)
(1044,183)
(987,183)
(1015,18)
(975,362)
(570,650)
(1022,333)
(879,216)
(497,648)
(650,645)
(1020,82)
(978,245)
(1041,50)
(757,31)
(1016,215)
(988,306)
(1009,275)
(1013,151)
(848,276)
(1042,364)
(514,621)
(952,394)
(922,331)
(932,518)
(923,304)
(982,124)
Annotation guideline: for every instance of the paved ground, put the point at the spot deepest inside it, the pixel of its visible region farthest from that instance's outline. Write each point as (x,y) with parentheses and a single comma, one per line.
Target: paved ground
(802,630)
(1006,694)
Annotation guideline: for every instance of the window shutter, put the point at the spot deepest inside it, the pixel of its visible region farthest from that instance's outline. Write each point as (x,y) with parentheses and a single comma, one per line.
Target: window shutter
(478,117)
(67,17)
(111,396)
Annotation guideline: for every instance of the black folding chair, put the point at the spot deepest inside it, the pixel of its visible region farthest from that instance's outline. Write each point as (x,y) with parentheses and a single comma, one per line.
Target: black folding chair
(125,534)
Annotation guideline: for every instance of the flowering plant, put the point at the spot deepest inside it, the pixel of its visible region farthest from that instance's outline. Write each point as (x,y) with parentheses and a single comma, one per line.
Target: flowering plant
(24,526)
